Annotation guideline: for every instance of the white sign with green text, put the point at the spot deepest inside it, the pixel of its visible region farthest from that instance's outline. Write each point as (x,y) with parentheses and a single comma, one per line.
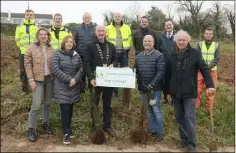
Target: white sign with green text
(115,77)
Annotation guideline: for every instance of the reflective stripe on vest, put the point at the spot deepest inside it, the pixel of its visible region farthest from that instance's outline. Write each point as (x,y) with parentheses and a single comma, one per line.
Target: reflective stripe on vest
(125,34)
(23,39)
(209,54)
(56,43)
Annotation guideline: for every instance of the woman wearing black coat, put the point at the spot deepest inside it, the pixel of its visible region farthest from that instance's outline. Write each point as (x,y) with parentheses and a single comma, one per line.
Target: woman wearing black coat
(67,68)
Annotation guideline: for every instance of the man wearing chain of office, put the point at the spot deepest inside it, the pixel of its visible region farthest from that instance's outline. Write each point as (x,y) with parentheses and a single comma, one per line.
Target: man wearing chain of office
(100,52)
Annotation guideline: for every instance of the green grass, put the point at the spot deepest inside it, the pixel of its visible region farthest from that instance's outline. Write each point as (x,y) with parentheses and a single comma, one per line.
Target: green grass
(15,106)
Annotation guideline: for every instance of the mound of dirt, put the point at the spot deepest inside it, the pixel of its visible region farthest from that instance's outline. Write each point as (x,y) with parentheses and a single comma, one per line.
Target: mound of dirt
(9,56)
(226,68)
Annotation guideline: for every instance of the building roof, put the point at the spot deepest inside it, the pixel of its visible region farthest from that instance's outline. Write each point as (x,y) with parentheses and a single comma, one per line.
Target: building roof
(22,15)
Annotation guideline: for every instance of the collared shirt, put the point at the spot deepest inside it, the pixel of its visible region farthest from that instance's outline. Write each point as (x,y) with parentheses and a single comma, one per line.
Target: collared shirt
(148,52)
(168,35)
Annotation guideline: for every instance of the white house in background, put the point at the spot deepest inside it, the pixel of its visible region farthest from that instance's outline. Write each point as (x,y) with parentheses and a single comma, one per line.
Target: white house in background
(18,18)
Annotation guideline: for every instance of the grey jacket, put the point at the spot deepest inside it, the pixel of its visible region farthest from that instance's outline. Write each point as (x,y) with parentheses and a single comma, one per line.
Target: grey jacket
(64,68)
(216,59)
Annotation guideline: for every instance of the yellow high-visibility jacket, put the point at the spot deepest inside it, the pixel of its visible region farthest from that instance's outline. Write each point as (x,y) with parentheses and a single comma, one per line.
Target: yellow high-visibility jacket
(126,35)
(56,40)
(25,35)
(208,54)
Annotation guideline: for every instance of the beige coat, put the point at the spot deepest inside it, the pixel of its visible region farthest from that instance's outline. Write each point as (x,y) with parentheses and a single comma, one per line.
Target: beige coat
(34,62)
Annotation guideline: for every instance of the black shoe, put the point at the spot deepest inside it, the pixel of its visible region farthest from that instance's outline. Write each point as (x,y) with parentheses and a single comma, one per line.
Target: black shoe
(32,135)
(159,137)
(110,132)
(154,134)
(47,129)
(182,144)
(191,148)
(66,139)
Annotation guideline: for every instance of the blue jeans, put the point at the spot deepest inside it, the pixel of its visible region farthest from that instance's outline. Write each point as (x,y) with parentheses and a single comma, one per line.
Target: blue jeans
(122,58)
(154,114)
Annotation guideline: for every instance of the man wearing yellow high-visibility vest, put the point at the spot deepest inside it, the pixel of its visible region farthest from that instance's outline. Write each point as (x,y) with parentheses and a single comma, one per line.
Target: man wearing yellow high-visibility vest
(25,35)
(211,54)
(120,35)
(58,32)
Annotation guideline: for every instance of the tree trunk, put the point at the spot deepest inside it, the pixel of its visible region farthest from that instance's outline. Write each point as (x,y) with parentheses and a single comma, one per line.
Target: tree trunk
(127,91)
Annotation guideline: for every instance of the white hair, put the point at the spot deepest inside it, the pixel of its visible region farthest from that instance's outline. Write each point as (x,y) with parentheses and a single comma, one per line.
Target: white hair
(182,33)
(86,13)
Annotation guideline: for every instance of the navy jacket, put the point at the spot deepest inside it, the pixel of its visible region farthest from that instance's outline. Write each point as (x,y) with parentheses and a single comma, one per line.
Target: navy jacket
(83,36)
(150,69)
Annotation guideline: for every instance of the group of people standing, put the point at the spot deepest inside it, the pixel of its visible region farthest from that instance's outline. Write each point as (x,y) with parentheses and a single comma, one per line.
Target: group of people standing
(56,64)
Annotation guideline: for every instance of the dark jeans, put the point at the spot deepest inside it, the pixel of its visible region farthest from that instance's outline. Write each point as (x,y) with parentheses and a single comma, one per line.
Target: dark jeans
(23,76)
(107,110)
(66,116)
(185,115)
(122,58)
(83,79)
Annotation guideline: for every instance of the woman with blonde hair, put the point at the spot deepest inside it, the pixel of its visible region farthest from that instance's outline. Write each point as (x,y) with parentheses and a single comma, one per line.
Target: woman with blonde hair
(67,69)
(37,64)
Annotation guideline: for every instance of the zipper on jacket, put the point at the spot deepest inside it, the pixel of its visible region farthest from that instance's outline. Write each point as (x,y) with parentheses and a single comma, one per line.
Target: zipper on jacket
(86,35)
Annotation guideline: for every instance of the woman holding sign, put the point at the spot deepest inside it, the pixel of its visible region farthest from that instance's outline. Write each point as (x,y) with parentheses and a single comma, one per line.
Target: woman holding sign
(67,68)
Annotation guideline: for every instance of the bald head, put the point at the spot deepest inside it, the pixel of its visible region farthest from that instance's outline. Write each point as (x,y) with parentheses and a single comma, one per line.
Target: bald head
(117,17)
(87,18)
(100,32)
(148,42)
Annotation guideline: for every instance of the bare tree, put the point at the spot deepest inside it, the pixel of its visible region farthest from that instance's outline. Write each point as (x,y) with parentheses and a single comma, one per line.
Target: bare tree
(194,8)
(216,15)
(135,10)
(169,8)
(231,17)
(108,17)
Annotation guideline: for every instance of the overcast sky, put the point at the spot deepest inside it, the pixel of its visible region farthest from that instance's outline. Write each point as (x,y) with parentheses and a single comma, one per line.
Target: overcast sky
(72,11)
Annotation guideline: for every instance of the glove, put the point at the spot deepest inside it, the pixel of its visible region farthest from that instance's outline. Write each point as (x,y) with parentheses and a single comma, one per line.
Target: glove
(148,88)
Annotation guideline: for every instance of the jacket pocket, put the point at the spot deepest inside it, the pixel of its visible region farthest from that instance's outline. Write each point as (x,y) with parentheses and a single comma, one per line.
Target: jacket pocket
(173,86)
(188,88)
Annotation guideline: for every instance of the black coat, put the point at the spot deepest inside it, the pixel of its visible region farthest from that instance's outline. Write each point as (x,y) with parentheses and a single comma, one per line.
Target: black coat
(138,39)
(92,57)
(150,69)
(182,73)
(64,68)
